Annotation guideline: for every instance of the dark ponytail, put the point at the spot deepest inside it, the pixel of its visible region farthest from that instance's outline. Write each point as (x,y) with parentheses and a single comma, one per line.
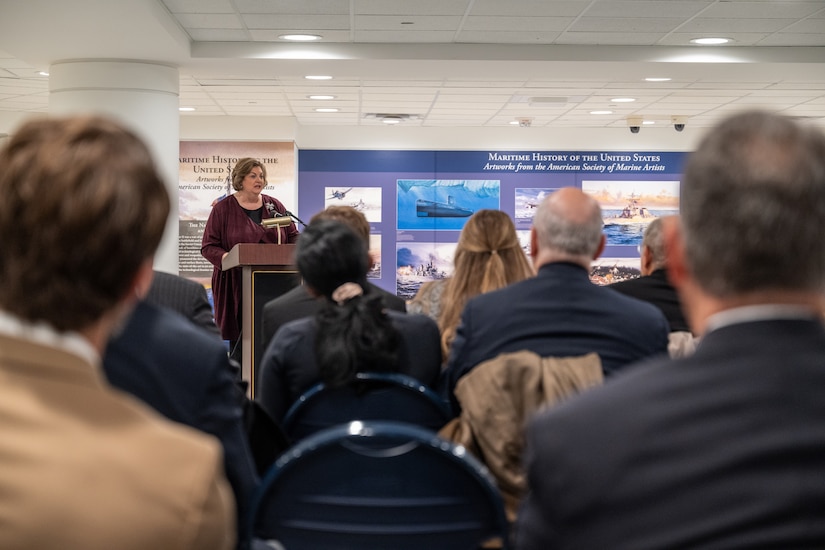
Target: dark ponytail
(353,333)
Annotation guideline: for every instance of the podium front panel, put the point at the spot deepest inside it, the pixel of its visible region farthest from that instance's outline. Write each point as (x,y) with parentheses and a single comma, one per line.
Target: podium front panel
(266,285)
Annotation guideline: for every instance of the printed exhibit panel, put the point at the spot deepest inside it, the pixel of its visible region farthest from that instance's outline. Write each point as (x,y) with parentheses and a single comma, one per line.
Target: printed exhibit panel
(421,199)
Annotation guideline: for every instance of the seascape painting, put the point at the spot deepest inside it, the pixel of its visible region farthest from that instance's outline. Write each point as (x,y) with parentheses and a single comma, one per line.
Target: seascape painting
(629,206)
(435,205)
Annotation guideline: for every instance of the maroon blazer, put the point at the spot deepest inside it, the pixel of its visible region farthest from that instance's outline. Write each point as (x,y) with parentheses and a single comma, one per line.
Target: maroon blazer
(227,226)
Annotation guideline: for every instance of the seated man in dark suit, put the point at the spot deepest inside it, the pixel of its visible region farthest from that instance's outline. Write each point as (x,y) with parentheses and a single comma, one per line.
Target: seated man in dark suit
(184,373)
(559,312)
(653,285)
(298,303)
(185,296)
(725,448)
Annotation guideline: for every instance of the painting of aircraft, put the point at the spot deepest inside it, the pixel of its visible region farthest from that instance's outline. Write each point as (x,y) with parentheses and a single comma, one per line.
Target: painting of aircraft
(338,194)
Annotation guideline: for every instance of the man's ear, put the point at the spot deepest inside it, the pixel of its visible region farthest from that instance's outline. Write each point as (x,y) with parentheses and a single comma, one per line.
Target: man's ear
(534,244)
(602,244)
(678,272)
(646,260)
(143,279)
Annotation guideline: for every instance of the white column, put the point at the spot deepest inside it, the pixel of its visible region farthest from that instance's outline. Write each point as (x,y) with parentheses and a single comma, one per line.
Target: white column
(144,96)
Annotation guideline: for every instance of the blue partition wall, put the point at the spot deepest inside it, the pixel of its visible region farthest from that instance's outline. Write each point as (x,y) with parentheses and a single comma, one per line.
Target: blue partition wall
(418,201)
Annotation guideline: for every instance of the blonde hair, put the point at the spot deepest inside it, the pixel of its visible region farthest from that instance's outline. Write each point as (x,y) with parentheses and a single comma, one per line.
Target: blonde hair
(488,257)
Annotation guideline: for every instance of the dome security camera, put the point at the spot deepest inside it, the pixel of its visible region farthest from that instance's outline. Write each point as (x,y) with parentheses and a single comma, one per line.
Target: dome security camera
(634,129)
(635,124)
(678,127)
(678,122)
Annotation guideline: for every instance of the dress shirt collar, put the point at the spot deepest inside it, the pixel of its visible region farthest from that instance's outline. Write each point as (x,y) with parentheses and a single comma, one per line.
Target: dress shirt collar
(762,312)
(43,334)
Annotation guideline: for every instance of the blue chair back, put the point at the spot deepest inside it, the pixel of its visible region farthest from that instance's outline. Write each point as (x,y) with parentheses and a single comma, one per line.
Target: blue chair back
(371,485)
(370,396)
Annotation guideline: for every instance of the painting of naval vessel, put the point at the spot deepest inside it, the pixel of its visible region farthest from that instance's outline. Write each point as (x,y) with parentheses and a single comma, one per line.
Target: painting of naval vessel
(629,206)
(605,271)
(417,263)
(443,204)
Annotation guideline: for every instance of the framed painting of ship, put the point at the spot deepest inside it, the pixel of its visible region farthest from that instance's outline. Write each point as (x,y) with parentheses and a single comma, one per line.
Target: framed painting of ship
(629,206)
(419,262)
(605,271)
(436,205)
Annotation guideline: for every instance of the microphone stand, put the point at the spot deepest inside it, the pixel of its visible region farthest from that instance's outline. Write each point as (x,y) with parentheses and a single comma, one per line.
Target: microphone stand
(294,217)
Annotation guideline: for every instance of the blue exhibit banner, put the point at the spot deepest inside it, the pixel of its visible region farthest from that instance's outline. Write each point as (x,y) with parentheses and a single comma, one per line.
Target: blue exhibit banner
(418,201)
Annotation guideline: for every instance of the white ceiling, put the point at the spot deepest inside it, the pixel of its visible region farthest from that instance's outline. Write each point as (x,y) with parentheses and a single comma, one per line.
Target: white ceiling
(466,63)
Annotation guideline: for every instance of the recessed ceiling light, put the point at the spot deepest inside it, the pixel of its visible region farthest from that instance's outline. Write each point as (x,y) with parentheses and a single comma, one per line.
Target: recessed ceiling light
(623,99)
(326,110)
(43,73)
(391,119)
(657,79)
(321,96)
(601,112)
(514,122)
(300,37)
(710,41)
(648,122)
(187,109)
(318,77)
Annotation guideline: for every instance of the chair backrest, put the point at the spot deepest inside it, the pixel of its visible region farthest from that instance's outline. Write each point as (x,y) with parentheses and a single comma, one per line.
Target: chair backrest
(370,396)
(371,485)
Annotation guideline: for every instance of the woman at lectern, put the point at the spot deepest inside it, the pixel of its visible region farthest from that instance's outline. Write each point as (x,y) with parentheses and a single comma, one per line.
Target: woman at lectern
(239,219)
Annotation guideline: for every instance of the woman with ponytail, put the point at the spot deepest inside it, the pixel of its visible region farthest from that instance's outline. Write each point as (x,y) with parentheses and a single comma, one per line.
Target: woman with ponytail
(351,333)
(488,257)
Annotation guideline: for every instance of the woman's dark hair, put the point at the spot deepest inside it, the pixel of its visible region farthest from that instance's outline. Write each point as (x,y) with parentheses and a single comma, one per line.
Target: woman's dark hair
(355,335)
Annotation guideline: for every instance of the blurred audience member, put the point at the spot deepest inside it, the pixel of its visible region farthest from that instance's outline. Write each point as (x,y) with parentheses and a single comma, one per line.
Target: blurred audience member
(723,449)
(185,296)
(85,466)
(185,374)
(653,287)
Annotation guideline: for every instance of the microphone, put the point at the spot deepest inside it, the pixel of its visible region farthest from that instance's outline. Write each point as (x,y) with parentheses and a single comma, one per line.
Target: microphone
(296,218)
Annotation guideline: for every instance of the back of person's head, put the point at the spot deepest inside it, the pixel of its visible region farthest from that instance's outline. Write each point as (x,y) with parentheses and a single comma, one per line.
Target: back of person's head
(348,215)
(753,206)
(243,167)
(488,257)
(83,208)
(569,224)
(330,253)
(654,240)
(353,332)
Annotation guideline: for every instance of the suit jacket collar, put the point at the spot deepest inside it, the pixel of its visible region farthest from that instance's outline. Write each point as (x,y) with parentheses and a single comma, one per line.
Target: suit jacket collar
(780,336)
(563,270)
(35,359)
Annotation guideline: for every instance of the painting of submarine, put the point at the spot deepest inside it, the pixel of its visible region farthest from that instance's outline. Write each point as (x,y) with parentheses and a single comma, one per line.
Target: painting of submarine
(434,209)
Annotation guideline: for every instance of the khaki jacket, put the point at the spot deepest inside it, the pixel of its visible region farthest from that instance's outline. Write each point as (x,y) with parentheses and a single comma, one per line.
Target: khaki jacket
(85,467)
(497,399)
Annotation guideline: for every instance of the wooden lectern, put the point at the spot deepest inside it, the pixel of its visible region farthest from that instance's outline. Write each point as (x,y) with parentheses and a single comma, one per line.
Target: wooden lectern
(267,271)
